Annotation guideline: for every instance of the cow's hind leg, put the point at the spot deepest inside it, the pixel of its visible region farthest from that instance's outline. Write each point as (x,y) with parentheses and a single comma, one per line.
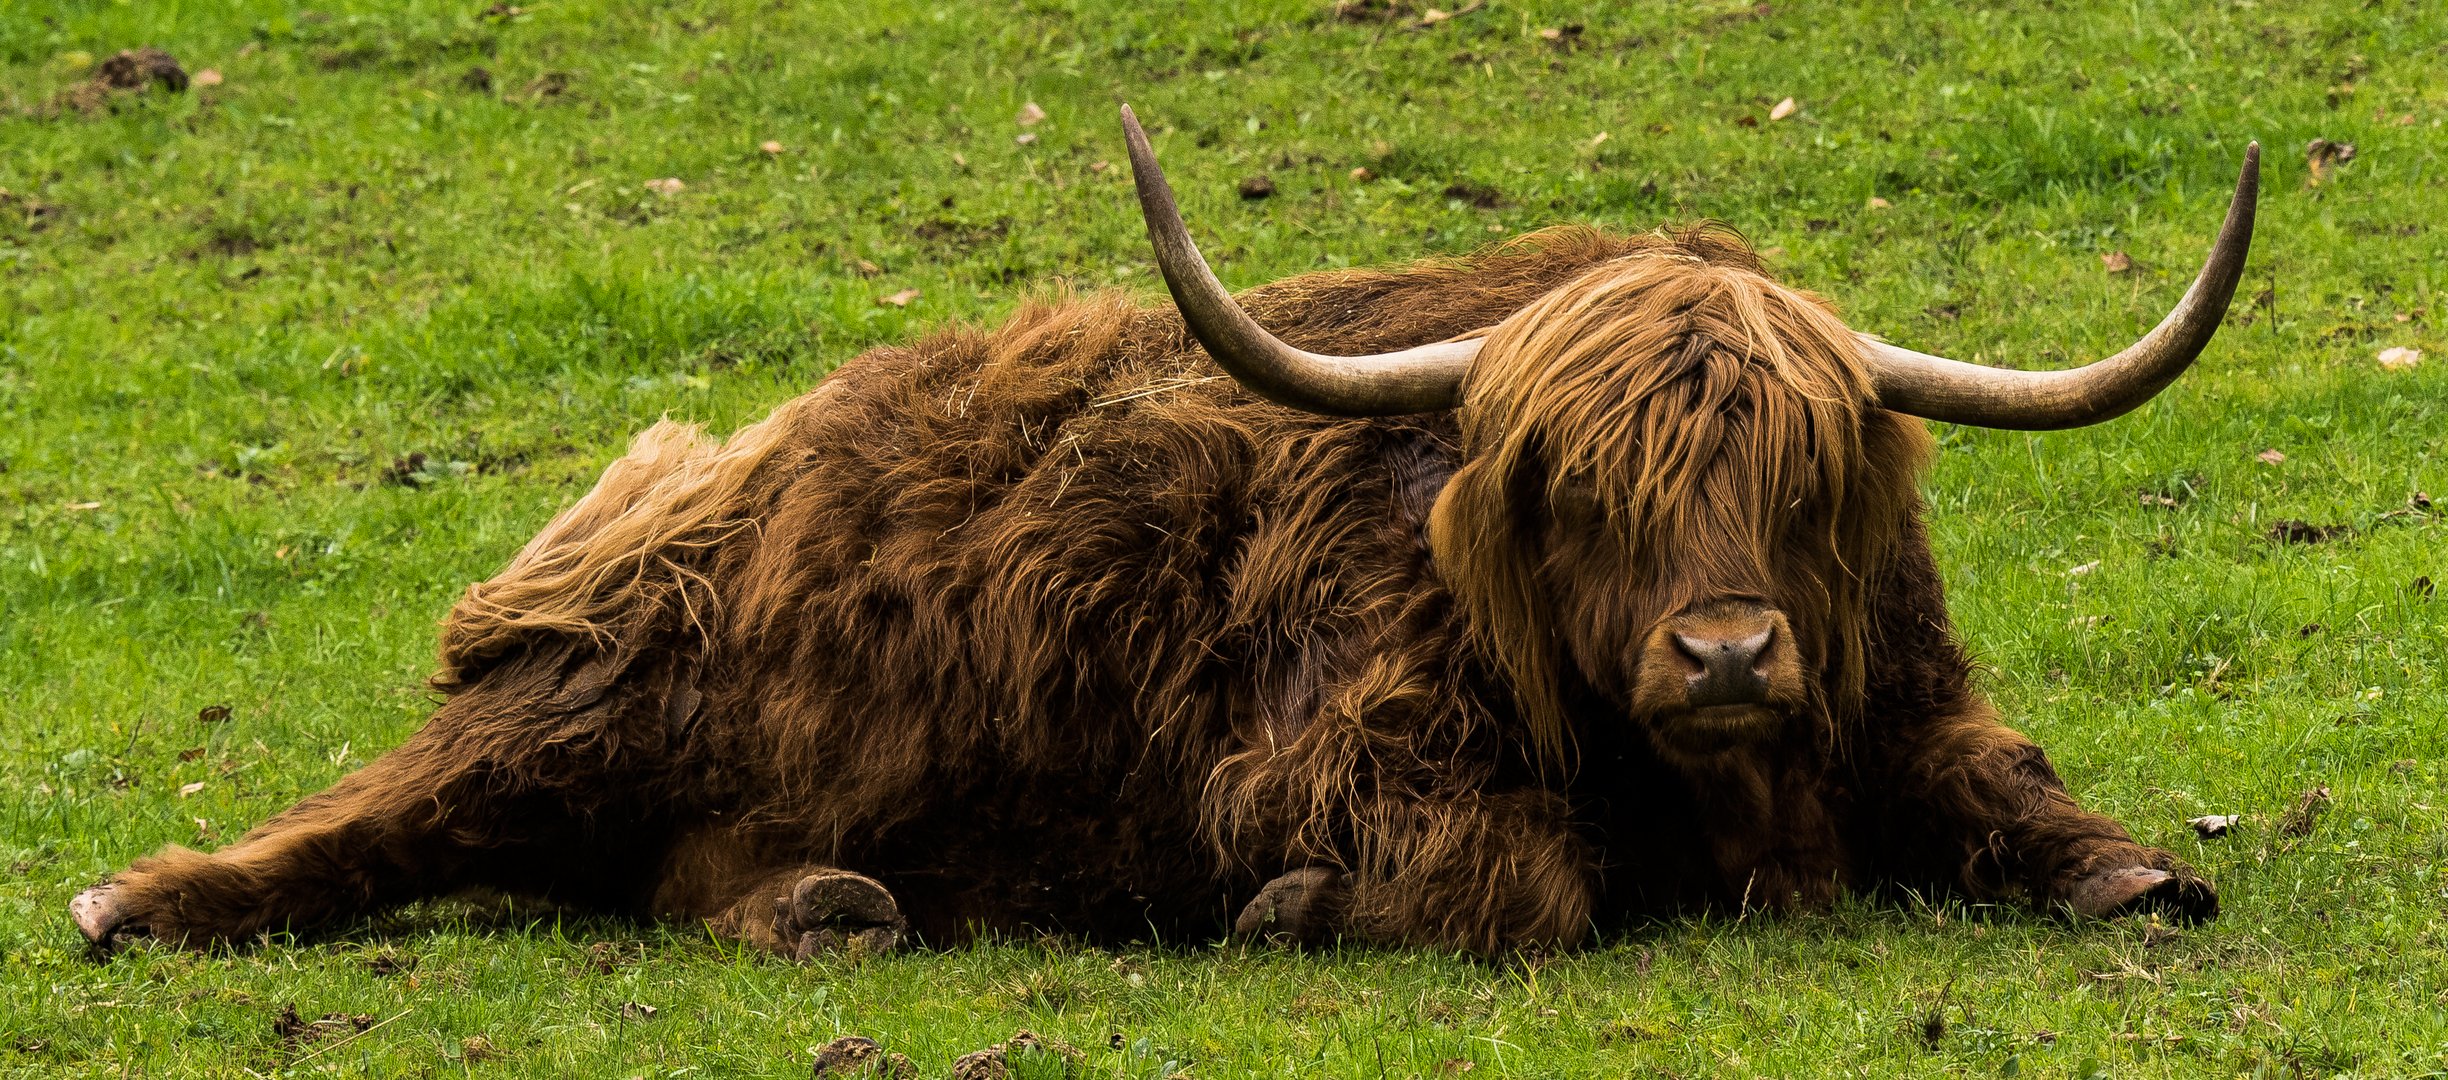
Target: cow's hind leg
(536,781)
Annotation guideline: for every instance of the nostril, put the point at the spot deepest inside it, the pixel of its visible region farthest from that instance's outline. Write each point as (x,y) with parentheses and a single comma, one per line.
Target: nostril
(1754,649)
(1694,653)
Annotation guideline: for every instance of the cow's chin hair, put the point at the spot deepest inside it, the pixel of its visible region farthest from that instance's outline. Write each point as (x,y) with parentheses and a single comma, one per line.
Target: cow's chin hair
(1716,731)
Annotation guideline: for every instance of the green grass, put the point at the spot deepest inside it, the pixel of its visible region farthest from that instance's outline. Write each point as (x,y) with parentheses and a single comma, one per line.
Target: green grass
(228,318)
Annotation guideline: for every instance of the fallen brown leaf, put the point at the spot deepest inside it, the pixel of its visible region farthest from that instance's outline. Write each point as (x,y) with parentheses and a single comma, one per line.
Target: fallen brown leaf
(899,299)
(1030,115)
(1361,174)
(771,146)
(186,790)
(1783,109)
(213,714)
(208,77)
(667,186)
(2271,456)
(2399,358)
(2116,262)
(1877,203)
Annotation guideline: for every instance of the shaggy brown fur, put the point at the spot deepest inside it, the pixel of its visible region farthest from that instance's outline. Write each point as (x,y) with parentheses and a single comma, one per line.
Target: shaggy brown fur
(1056,627)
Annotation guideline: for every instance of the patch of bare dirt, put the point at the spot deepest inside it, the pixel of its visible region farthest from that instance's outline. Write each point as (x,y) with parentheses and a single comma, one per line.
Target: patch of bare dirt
(130,72)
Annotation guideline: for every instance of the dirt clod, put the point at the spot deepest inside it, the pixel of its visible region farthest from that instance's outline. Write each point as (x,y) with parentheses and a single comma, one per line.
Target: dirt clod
(1257,187)
(2298,531)
(860,1056)
(294,1031)
(1477,194)
(133,68)
(995,1062)
(2306,814)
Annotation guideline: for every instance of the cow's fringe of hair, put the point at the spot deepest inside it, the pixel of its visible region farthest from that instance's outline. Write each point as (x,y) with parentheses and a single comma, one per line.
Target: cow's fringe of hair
(1705,411)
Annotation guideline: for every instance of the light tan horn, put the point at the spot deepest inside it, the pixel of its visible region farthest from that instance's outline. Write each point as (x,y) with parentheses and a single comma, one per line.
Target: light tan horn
(1423,379)
(1941,389)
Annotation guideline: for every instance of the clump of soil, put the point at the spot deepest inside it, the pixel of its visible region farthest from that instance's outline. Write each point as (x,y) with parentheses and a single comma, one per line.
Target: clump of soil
(129,72)
(860,1056)
(995,1062)
(295,1032)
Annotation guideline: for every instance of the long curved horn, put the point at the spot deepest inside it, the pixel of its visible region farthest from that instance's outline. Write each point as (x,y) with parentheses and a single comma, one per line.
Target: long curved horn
(1423,379)
(1937,388)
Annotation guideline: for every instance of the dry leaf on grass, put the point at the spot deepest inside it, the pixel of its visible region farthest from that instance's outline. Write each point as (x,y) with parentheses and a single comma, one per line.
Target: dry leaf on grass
(1877,203)
(186,790)
(1030,115)
(2400,358)
(2116,262)
(669,185)
(771,146)
(208,77)
(1257,187)
(2271,457)
(899,299)
(1783,109)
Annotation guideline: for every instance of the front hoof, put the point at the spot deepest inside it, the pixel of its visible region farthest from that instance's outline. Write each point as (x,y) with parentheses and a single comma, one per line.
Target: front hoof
(102,919)
(836,911)
(1301,907)
(2128,890)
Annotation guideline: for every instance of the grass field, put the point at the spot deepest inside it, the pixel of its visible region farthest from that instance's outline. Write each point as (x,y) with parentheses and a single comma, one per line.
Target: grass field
(287,360)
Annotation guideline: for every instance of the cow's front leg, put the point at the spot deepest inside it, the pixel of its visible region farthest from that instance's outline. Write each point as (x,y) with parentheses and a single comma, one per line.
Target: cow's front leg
(808,911)
(1483,874)
(1972,801)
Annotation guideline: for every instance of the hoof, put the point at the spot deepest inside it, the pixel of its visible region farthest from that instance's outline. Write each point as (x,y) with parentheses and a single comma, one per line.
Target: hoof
(100,918)
(835,911)
(2129,890)
(1300,907)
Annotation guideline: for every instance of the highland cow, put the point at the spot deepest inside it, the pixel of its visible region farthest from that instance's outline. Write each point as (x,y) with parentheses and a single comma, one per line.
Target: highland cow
(1481,603)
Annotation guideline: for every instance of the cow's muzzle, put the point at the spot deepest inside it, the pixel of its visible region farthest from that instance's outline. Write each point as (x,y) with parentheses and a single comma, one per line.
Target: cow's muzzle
(1719,674)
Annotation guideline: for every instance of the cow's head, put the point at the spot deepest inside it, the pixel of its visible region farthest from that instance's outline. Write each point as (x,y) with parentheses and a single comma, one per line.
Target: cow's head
(1680,477)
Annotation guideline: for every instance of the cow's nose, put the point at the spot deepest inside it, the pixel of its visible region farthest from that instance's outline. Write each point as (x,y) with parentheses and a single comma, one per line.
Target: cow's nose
(1729,667)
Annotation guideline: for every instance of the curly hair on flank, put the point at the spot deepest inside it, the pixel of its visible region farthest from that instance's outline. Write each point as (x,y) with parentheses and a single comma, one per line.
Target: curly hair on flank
(1054,626)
